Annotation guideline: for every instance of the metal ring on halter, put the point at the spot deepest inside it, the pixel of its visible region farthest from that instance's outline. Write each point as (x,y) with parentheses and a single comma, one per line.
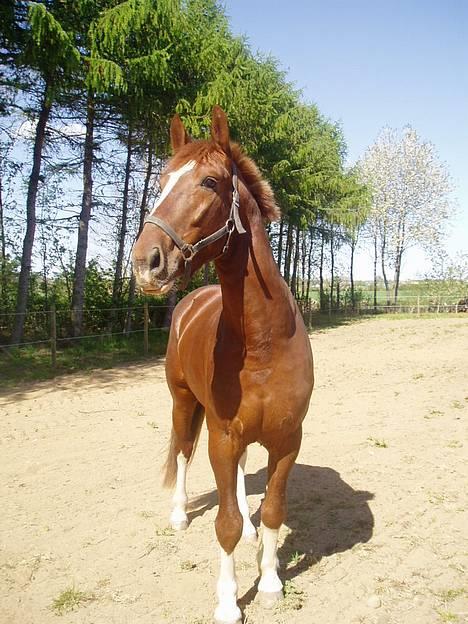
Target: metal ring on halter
(191,251)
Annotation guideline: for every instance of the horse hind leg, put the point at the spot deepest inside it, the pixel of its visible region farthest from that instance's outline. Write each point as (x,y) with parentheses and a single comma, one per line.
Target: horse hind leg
(281,460)
(249,532)
(187,421)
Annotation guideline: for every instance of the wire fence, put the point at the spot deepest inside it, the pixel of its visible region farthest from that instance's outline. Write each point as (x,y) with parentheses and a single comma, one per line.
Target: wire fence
(365,306)
(95,322)
(53,329)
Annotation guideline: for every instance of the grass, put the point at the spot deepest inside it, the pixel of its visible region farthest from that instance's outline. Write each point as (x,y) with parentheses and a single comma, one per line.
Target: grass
(166,532)
(32,363)
(433,413)
(454,444)
(293,598)
(448,595)
(447,616)
(295,559)
(377,443)
(69,600)
(187,566)
(323,321)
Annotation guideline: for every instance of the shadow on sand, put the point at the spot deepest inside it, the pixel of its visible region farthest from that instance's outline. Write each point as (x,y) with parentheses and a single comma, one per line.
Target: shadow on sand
(325,516)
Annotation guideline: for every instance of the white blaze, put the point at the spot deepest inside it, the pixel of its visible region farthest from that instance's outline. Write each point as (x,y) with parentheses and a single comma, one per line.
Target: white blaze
(173,179)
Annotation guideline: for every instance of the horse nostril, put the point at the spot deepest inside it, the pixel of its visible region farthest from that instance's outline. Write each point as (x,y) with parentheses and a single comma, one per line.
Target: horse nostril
(154,259)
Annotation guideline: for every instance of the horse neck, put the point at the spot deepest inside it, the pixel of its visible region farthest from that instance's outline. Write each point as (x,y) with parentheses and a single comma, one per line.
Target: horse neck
(257,304)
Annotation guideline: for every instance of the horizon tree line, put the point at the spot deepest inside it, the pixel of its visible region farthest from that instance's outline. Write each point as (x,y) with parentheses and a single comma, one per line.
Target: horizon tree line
(87,92)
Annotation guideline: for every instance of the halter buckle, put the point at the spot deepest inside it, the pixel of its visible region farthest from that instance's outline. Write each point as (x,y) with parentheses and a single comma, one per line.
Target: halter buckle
(188,252)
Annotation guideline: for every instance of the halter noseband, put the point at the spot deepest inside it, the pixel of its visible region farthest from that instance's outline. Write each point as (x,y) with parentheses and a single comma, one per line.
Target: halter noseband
(187,249)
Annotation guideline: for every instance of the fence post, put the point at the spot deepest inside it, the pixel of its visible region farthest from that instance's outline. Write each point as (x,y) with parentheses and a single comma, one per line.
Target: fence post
(419,309)
(53,335)
(145,328)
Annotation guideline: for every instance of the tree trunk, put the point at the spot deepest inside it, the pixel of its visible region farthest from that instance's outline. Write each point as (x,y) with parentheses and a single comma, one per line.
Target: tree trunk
(322,294)
(303,263)
(28,242)
(288,252)
(280,243)
(86,208)
(143,203)
(117,286)
(397,274)
(45,281)
(399,255)
(295,263)
(351,273)
(375,273)
(384,272)
(309,267)
(3,269)
(332,269)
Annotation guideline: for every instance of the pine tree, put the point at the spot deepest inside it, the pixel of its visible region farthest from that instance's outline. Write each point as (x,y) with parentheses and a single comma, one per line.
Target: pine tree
(49,52)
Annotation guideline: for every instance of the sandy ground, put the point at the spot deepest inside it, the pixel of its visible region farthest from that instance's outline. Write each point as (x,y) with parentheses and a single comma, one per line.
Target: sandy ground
(377,516)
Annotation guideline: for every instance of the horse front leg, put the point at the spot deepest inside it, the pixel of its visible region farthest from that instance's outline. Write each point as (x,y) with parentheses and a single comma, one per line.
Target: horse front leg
(280,461)
(224,455)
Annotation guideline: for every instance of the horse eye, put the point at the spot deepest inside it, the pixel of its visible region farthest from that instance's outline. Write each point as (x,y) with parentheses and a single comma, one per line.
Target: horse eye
(209,183)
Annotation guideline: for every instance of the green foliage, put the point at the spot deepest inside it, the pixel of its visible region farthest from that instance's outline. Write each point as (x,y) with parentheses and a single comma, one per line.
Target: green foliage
(28,364)
(139,61)
(50,49)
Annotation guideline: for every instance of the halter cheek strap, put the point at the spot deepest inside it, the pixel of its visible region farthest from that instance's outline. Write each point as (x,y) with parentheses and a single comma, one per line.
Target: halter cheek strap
(187,249)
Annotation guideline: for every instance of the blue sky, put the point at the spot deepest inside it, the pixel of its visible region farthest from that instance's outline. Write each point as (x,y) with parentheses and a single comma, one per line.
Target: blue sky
(374,64)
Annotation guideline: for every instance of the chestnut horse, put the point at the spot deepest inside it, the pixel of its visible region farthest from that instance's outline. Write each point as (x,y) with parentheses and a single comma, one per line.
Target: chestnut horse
(238,353)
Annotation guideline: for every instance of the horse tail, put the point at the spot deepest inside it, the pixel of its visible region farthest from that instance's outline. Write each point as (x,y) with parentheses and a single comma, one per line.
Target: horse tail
(170,466)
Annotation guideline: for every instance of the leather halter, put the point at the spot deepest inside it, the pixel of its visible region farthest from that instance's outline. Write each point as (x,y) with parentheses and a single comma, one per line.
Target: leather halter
(188,250)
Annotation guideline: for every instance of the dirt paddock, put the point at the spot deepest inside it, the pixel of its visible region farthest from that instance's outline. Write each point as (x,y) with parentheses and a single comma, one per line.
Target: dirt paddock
(377,502)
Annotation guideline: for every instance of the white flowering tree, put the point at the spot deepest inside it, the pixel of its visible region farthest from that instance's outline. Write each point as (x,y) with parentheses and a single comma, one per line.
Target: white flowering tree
(411,200)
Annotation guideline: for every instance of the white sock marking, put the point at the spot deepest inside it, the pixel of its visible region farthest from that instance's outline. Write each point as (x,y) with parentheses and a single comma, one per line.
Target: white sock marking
(173,179)
(226,589)
(179,500)
(269,581)
(248,529)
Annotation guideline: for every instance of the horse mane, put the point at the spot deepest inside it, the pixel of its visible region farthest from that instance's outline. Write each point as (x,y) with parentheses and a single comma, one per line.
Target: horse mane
(260,188)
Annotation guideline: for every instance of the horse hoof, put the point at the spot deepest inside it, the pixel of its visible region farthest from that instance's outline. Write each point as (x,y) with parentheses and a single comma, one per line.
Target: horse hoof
(268,600)
(230,615)
(180,526)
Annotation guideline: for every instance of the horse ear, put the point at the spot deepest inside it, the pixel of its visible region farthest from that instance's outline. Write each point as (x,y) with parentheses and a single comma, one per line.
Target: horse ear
(179,136)
(220,129)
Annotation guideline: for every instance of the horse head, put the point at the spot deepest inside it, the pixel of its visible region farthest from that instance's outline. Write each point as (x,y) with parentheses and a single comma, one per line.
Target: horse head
(196,213)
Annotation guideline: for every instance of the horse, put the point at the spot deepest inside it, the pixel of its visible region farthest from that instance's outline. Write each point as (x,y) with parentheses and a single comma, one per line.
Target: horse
(238,353)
